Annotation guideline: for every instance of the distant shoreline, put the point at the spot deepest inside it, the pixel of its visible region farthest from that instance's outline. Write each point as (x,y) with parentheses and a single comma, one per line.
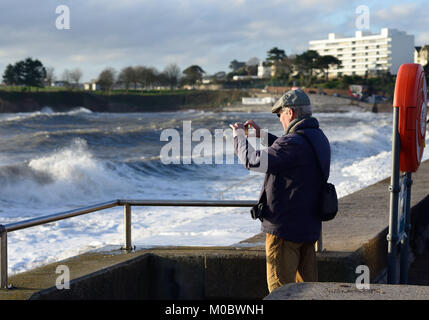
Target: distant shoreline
(221,100)
(64,101)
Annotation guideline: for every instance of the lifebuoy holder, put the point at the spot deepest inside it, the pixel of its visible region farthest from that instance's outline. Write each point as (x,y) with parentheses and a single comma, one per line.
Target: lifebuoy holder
(408,143)
(411,99)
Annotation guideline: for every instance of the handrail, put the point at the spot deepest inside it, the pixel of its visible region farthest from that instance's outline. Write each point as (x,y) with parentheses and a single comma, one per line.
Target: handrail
(58,216)
(189,203)
(5,229)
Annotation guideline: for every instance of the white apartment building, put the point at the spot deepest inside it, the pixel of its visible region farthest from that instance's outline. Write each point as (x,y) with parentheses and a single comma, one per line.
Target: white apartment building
(367,53)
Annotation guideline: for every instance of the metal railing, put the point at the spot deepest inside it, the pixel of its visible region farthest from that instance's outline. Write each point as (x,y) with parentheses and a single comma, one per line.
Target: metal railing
(127,204)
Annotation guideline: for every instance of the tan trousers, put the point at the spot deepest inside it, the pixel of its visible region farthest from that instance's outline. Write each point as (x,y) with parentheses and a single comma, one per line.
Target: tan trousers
(289,262)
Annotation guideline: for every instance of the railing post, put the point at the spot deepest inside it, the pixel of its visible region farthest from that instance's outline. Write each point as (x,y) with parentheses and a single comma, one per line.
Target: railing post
(3,257)
(394,188)
(127,227)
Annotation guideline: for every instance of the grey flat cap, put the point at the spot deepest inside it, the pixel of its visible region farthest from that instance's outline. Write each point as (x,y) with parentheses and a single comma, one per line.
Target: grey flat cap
(291,98)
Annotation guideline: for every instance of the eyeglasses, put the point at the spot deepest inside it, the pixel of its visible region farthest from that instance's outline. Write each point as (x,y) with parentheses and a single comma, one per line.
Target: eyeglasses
(278,115)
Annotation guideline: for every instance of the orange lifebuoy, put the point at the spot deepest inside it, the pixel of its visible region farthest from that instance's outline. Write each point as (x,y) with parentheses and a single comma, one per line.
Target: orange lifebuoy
(410,97)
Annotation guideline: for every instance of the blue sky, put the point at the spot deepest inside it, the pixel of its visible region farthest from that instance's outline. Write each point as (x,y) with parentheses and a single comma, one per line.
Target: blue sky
(210,33)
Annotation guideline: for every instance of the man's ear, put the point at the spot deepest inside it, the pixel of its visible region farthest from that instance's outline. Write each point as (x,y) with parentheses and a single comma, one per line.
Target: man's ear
(291,112)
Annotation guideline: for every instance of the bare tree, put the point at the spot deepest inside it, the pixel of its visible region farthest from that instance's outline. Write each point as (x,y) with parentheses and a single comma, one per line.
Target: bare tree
(66,77)
(172,74)
(153,77)
(75,76)
(128,76)
(50,76)
(146,77)
(107,79)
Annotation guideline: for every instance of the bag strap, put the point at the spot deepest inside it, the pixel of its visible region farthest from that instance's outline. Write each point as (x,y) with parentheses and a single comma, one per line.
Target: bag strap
(302,134)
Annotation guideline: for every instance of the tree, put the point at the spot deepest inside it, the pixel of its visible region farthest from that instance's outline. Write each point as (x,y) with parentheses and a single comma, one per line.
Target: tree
(280,63)
(236,65)
(50,75)
(162,79)
(193,74)
(26,72)
(152,77)
(172,74)
(323,63)
(66,77)
(128,76)
(146,76)
(34,73)
(75,76)
(107,79)
(251,70)
(306,63)
(9,76)
(275,55)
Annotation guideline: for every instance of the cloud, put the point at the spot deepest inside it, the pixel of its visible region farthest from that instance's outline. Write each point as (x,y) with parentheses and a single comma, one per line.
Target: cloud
(157,32)
(398,11)
(410,17)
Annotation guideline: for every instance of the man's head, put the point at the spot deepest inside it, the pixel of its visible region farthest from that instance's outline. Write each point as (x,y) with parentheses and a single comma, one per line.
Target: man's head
(294,104)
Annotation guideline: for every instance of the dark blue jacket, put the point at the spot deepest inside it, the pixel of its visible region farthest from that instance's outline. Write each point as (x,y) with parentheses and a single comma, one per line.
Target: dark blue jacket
(292,179)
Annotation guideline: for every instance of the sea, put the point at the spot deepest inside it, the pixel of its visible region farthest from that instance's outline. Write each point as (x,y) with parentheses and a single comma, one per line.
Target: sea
(57,161)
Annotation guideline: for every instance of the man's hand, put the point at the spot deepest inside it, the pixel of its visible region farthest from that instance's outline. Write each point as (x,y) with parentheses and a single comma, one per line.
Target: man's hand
(238,128)
(251,123)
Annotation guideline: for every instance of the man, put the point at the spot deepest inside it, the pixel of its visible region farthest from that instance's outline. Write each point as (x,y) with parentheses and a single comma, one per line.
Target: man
(291,188)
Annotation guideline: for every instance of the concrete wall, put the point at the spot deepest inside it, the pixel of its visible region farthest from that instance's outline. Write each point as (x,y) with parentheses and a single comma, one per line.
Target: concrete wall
(178,275)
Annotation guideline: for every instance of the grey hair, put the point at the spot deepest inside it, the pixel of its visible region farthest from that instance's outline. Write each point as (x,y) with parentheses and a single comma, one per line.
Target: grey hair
(302,111)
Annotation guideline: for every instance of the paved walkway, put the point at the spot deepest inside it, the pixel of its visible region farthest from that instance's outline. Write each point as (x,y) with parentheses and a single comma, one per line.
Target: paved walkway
(348,291)
(418,274)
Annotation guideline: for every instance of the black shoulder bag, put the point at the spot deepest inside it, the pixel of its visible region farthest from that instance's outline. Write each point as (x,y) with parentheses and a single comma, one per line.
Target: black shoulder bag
(328,196)
(257,211)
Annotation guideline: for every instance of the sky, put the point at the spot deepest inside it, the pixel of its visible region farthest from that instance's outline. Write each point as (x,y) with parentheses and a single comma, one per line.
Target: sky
(209,33)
